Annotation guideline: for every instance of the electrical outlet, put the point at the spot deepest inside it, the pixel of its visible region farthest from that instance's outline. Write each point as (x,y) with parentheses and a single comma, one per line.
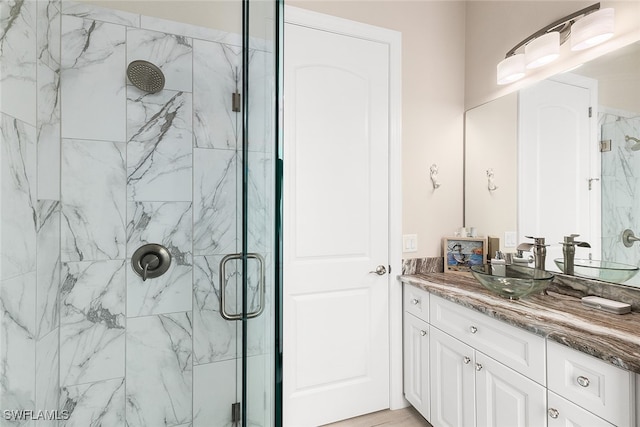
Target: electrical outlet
(510,239)
(409,243)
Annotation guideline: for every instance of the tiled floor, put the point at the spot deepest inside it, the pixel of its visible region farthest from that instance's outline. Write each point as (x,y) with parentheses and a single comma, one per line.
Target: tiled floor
(407,417)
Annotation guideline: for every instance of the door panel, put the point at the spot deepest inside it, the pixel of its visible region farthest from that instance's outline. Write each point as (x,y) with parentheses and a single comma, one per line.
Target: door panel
(504,398)
(554,163)
(336,136)
(452,381)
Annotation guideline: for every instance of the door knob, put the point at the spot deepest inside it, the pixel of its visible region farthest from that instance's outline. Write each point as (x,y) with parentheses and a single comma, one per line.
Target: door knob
(380,270)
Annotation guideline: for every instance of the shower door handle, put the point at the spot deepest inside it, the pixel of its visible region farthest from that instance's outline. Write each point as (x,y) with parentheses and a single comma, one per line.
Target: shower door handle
(223,286)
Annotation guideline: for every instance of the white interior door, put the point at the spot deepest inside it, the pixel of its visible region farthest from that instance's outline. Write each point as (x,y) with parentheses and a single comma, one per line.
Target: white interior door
(555,145)
(336,228)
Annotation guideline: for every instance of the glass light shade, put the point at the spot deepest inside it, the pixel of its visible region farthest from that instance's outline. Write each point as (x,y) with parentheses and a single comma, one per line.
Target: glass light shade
(511,69)
(542,50)
(593,29)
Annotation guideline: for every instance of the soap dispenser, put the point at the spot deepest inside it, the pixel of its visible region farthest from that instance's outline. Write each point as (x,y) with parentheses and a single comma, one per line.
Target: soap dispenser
(498,265)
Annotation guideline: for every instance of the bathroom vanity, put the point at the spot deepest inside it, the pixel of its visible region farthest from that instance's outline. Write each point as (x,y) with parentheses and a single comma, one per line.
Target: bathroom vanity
(472,358)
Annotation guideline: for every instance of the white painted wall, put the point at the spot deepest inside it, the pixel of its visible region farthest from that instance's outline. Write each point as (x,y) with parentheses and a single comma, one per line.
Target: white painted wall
(432,107)
(494,27)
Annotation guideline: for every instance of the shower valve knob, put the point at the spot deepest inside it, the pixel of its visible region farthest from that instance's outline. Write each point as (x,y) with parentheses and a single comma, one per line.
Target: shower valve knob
(150,261)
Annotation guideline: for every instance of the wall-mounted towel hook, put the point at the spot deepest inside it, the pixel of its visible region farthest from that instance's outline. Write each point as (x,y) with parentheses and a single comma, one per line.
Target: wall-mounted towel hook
(491,185)
(433,171)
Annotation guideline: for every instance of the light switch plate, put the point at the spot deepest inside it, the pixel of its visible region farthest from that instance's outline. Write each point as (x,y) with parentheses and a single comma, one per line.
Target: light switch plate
(510,239)
(409,243)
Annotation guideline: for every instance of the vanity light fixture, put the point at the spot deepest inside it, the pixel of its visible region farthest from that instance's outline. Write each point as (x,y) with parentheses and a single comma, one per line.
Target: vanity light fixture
(587,27)
(594,29)
(542,50)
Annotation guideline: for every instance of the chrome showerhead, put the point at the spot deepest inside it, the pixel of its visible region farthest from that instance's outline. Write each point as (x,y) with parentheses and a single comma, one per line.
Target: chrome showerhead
(636,142)
(145,76)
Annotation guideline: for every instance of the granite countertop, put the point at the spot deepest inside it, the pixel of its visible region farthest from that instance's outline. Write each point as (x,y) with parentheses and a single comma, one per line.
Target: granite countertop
(611,337)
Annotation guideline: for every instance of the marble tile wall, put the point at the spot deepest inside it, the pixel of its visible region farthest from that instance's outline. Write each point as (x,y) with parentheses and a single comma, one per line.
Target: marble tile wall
(620,187)
(93,168)
(30,206)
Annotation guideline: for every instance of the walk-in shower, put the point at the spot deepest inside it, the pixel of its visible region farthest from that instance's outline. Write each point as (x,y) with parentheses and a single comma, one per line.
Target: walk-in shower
(127,178)
(620,186)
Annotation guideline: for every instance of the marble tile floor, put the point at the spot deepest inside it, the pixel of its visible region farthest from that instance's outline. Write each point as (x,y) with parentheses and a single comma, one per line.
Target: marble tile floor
(406,417)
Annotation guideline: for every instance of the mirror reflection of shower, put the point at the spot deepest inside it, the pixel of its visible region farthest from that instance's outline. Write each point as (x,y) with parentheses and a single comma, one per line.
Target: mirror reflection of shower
(635,143)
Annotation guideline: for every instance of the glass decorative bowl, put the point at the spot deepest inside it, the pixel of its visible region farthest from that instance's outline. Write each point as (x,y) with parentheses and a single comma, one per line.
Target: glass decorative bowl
(600,270)
(512,281)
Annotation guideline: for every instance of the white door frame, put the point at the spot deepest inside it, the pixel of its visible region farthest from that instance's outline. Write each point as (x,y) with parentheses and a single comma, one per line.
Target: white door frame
(393,39)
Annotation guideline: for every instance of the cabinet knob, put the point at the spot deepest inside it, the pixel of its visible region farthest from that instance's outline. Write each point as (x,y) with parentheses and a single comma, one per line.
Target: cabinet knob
(423,332)
(553,413)
(473,329)
(583,381)
(478,367)
(466,360)
(415,301)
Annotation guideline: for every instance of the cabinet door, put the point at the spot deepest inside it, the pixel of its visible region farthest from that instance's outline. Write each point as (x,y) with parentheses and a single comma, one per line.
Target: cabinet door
(416,363)
(505,398)
(452,382)
(563,413)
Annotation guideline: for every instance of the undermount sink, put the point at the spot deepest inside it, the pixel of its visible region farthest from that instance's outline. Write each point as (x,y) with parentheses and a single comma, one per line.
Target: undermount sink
(512,281)
(600,270)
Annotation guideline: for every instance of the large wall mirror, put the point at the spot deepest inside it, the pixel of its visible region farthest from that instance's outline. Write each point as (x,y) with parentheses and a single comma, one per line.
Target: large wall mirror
(561,157)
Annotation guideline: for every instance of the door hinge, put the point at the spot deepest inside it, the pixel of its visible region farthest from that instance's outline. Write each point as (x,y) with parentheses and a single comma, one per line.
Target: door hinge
(605,145)
(235,412)
(590,111)
(235,102)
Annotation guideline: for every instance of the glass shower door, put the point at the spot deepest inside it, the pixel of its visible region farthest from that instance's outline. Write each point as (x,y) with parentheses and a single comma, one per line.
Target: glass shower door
(253,267)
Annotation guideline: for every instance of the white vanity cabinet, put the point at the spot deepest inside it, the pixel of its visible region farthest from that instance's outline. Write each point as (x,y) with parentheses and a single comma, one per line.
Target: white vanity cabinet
(469,388)
(463,368)
(416,349)
(453,383)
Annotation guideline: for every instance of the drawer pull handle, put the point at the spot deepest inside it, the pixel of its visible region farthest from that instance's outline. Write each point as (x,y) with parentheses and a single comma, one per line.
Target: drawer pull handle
(473,329)
(583,381)
(478,367)
(415,301)
(423,332)
(466,360)
(553,413)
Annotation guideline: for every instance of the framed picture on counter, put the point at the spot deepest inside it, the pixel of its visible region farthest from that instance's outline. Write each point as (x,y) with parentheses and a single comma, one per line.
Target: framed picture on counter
(460,253)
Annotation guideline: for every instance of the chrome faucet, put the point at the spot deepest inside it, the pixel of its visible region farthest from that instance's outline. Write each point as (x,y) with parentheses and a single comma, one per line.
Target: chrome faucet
(539,250)
(569,251)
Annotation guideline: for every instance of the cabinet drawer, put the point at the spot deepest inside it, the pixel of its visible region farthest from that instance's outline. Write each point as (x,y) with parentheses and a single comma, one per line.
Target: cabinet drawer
(563,413)
(416,302)
(604,389)
(520,350)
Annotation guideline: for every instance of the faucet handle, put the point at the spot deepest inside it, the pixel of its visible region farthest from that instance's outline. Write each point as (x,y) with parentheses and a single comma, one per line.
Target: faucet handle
(537,241)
